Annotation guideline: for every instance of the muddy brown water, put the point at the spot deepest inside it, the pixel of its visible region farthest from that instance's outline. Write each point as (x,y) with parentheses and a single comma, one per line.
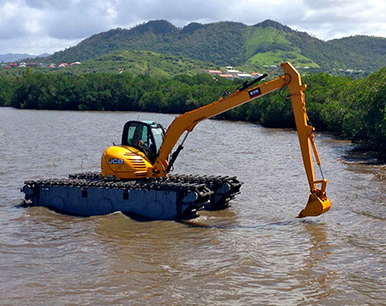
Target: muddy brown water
(254,253)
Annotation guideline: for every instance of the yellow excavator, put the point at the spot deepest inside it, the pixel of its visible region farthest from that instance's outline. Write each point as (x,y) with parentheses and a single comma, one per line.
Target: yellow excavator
(136,180)
(146,147)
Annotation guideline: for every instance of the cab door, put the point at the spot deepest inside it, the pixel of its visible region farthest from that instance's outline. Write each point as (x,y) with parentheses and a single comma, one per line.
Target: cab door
(138,134)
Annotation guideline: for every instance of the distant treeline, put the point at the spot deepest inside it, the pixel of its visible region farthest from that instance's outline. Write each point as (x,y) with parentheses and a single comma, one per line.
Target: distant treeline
(352,109)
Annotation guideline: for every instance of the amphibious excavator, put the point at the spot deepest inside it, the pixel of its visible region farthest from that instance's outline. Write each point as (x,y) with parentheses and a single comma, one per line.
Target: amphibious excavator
(135,177)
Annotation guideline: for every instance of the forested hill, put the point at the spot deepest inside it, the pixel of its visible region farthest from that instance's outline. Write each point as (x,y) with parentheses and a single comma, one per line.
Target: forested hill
(232,43)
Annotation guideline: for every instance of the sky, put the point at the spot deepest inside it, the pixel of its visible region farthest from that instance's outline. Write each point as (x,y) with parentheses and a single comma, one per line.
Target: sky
(46,26)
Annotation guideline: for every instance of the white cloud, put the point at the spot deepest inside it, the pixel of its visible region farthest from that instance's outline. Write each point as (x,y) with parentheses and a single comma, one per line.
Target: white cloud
(329,19)
(37,26)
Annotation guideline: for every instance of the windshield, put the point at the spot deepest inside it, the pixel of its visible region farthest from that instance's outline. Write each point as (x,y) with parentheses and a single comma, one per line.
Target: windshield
(138,134)
(158,134)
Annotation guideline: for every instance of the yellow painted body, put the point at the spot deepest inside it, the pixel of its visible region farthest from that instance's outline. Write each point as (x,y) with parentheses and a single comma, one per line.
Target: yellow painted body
(135,164)
(125,162)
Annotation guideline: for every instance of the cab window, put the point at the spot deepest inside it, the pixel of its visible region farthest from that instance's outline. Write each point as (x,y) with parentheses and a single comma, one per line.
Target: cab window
(144,136)
(158,134)
(138,135)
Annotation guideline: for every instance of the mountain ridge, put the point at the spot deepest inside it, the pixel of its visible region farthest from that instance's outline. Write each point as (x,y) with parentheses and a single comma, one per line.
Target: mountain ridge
(234,43)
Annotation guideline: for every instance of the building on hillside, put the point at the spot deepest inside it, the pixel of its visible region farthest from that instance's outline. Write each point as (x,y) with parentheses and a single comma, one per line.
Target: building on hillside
(244,76)
(214,72)
(233,72)
(228,76)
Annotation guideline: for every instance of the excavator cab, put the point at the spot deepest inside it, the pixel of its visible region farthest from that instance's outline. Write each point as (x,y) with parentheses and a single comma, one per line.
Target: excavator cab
(146,136)
(139,148)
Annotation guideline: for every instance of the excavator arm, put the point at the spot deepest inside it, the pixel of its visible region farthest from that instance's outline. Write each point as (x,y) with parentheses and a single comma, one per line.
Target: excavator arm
(318,202)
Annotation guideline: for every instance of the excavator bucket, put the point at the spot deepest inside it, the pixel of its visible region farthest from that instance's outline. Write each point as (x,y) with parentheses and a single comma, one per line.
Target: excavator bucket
(315,206)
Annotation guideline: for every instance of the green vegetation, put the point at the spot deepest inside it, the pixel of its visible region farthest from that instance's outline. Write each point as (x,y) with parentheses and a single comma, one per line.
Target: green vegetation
(235,44)
(159,49)
(352,109)
(132,62)
(277,57)
(95,91)
(269,45)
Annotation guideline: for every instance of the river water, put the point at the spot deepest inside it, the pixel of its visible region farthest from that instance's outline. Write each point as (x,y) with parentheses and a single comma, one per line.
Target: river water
(254,253)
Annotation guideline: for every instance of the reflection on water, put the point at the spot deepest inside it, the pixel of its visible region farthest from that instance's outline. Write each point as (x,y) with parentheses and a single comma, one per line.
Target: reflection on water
(254,253)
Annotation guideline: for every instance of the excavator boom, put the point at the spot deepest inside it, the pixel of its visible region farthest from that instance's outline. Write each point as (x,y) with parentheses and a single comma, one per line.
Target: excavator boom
(318,202)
